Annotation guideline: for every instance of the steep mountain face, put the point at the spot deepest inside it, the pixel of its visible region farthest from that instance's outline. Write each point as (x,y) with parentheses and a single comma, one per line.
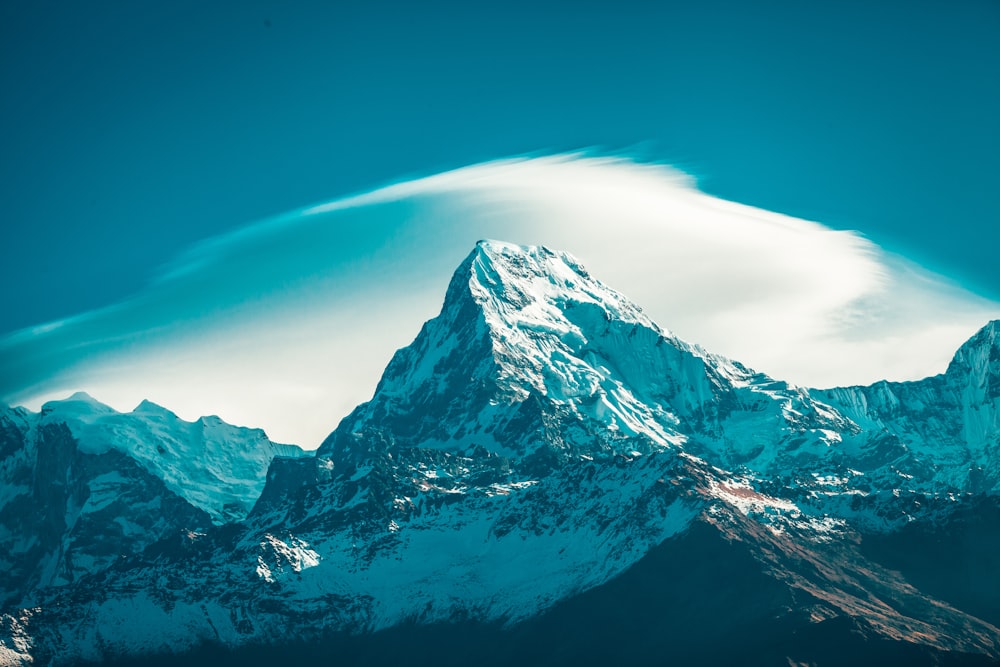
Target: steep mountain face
(545,472)
(83,487)
(949,424)
(544,358)
(213,465)
(533,359)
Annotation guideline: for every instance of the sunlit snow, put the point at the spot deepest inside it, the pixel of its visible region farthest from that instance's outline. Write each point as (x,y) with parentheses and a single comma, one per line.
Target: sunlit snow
(287,324)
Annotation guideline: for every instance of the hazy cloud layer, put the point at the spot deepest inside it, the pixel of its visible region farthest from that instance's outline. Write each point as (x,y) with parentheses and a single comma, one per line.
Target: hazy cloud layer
(287,324)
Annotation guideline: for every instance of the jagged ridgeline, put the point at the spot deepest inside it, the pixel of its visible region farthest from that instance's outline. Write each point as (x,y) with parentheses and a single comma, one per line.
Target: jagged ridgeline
(543,476)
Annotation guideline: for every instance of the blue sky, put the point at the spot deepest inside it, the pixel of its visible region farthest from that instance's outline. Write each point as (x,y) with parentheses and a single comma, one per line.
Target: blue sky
(131,130)
(287,324)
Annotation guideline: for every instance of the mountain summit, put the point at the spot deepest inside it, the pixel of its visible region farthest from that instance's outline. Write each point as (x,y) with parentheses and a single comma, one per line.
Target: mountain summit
(528,342)
(514,332)
(546,475)
(948,424)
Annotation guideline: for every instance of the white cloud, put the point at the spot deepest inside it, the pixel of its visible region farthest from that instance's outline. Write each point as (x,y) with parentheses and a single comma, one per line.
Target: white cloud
(288,323)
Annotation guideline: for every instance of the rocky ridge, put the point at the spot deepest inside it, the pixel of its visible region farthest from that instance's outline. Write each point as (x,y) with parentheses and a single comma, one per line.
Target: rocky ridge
(540,440)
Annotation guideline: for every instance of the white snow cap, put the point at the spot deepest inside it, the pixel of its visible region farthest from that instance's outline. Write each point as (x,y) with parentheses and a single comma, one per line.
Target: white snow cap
(299,341)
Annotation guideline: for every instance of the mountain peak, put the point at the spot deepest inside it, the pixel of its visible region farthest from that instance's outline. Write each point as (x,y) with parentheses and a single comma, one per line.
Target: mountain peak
(527,339)
(519,325)
(214,466)
(147,407)
(80,405)
(989,334)
(82,397)
(977,364)
(980,352)
(540,442)
(529,287)
(514,256)
(489,246)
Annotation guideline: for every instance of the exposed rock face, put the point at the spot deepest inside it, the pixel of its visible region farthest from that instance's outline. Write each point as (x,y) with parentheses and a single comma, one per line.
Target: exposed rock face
(542,462)
(84,488)
(948,424)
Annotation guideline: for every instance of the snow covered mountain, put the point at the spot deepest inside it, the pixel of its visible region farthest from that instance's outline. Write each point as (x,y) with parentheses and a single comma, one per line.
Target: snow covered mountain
(949,424)
(83,486)
(546,475)
(528,341)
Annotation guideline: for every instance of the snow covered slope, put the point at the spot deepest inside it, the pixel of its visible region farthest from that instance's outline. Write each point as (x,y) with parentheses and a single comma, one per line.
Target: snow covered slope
(949,424)
(532,358)
(215,466)
(83,486)
(539,441)
(528,341)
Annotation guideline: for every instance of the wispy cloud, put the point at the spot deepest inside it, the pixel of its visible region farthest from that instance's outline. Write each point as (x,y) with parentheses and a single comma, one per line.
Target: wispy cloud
(287,324)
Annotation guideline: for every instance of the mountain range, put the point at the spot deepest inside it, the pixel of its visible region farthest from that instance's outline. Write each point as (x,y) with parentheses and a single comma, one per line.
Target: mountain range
(544,476)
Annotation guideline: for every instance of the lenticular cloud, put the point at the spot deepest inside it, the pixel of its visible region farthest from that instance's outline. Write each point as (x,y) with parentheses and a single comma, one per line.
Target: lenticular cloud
(287,324)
